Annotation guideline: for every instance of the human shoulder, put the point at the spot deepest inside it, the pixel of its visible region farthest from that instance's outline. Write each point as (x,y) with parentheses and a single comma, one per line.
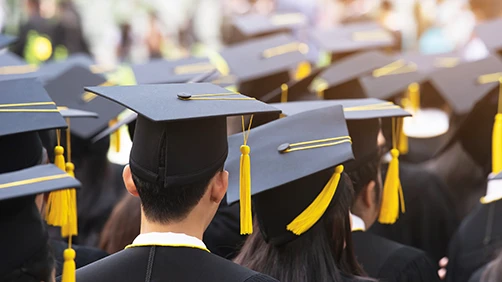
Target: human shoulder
(126,265)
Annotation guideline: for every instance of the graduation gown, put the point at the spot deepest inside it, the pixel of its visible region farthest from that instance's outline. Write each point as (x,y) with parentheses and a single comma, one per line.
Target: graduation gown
(165,259)
(477,241)
(391,261)
(85,255)
(222,236)
(429,221)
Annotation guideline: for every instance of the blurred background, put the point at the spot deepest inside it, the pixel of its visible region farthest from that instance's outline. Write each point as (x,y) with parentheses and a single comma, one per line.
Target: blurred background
(134,31)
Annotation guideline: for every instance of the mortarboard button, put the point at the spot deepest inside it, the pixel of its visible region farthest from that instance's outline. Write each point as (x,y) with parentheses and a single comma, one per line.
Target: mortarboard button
(283,147)
(184,96)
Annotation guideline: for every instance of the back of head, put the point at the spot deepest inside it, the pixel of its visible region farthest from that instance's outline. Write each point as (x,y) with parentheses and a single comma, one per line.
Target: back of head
(317,255)
(168,201)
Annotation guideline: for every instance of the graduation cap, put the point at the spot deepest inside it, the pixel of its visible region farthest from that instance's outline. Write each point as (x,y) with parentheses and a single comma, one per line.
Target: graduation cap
(263,64)
(341,80)
(171,71)
(14,67)
(174,118)
(26,106)
(293,174)
(480,132)
(20,218)
(67,90)
(465,84)
(487,32)
(351,38)
(296,90)
(6,40)
(363,121)
(26,109)
(254,25)
(130,119)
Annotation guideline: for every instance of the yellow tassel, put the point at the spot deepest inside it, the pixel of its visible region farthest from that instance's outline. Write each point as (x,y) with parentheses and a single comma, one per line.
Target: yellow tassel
(303,70)
(245,191)
(414,96)
(58,201)
(69,266)
(497,144)
(402,143)
(303,222)
(392,194)
(115,138)
(71,228)
(284,93)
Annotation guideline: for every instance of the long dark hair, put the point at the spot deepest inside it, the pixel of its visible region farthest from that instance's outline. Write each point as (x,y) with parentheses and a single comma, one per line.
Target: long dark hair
(324,253)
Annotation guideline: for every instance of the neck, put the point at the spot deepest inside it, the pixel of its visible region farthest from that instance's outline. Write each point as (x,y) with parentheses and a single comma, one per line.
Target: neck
(187,226)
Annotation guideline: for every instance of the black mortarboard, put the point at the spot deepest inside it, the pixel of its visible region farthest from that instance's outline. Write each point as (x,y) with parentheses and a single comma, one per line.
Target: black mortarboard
(364,125)
(465,84)
(475,132)
(73,113)
(6,40)
(25,109)
(187,125)
(130,119)
(341,80)
(263,64)
(254,25)
(362,117)
(351,38)
(292,160)
(54,69)
(67,90)
(295,90)
(10,59)
(161,71)
(14,67)
(20,218)
(487,32)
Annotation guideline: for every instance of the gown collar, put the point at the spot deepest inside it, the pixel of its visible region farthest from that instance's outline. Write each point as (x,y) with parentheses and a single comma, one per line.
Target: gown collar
(168,239)
(357,223)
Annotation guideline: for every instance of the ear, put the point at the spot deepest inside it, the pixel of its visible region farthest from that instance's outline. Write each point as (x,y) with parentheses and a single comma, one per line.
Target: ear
(368,196)
(129,183)
(218,186)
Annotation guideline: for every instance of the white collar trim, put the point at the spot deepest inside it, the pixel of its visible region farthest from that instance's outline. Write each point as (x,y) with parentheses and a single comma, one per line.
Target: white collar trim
(168,239)
(357,223)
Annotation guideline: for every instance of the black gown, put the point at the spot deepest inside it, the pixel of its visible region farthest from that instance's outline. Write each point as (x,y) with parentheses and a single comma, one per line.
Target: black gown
(477,241)
(429,221)
(222,237)
(84,255)
(176,264)
(391,261)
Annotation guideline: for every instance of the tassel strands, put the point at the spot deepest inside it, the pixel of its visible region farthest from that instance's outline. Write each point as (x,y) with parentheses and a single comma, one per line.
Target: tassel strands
(245,183)
(497,135)
(392,196)
(56,212)
(316,209)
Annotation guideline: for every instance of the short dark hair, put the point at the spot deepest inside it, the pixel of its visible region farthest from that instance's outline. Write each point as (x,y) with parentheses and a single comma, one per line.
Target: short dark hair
(167,204)
(37,268)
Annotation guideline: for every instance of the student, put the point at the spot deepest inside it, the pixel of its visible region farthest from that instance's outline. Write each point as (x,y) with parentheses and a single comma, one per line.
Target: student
(301,198)
(28,252)
(380,258)
(176,169)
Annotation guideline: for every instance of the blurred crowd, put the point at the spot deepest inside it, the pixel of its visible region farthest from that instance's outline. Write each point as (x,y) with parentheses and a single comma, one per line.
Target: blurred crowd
(115,31)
